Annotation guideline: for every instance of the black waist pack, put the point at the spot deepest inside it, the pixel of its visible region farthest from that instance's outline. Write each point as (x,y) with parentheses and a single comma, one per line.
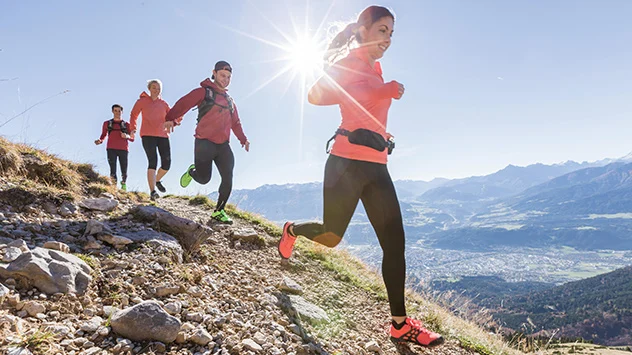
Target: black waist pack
(366,138)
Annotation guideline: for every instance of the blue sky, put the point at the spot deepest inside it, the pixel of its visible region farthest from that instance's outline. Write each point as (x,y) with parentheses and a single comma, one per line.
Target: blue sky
(488,83)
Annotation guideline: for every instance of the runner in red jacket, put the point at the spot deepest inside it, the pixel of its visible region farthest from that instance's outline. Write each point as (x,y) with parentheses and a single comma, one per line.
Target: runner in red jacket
(217,116)
(117,147)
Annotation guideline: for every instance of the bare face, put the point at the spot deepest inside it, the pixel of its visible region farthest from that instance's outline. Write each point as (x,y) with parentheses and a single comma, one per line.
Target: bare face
(117,112)
(377,38)
(154,89)
(222,78)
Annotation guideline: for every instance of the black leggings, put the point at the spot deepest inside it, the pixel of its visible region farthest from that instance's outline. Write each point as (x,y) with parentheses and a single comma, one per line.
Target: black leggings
(121,155)
(207,152)
(346,182)
(150,144)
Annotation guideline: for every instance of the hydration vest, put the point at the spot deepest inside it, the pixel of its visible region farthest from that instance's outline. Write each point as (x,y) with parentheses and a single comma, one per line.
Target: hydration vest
(209,102)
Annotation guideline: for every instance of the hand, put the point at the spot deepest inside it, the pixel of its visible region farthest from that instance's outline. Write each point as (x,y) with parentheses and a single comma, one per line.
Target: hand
(246,146)
(98,141)
(389,136)
(400,91)
(169,126)
(124,135)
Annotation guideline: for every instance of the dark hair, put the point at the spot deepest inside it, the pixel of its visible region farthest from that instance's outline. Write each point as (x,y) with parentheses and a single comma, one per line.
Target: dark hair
(117,105)
(344,38)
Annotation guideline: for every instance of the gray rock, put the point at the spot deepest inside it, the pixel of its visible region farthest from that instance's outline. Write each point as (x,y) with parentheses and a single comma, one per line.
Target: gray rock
(10,254)
(109,310)
(373,346)
(259,338)
(67,209)
(146,321)
(92,244)
(57,246)
(94,227)
(58,331)
(173,308)
(99,204)
(50,271)
(245,234)
(103,331)
(197,317)
(34,308)
(20,244)
(158,347)
(13,299)
(115,240)
(308,310)
(13,323)
(162,291)
(201,337)
(295,329)
(80,341)
(4,292)
(290,286)
(181,338)
(187,327)
(18,351)
(92,325)
(195,291)
(160,243)
(91,351)
(49,207)
(19,233)
(251,345)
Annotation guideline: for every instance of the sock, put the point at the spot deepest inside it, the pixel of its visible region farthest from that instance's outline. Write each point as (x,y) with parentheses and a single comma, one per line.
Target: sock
(398,326)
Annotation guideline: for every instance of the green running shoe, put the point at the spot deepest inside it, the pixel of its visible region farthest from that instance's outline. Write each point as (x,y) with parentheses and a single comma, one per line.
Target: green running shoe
(222,217)
(186,178)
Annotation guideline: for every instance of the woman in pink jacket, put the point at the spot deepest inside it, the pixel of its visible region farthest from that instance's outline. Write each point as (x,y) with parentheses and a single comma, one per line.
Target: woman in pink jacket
(153,134)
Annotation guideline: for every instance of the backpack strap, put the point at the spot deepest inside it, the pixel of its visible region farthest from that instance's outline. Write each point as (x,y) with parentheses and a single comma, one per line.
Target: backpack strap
(231,103)
(209,102)
(122,126)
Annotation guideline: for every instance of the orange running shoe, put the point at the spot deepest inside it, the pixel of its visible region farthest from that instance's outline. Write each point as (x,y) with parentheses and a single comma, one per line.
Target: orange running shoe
(413,331)
(286,244)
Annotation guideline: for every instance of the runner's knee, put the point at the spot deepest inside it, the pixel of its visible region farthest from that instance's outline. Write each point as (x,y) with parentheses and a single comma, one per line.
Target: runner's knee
(328,239)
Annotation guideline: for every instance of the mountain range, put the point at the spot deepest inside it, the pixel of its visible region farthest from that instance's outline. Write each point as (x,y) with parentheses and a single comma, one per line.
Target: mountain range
(584,205)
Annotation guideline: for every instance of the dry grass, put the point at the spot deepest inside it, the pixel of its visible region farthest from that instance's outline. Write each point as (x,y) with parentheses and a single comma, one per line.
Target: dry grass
(10,158)
(35,341)
(49,177)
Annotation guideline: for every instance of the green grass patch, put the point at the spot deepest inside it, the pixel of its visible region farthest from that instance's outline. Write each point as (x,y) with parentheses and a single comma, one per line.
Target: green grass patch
(346,267)
(473,345)
(38,342)
(90,260)
(269,227)
(201,200)
(333,329)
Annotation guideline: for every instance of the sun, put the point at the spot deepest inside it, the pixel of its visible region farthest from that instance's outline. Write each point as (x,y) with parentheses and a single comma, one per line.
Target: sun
(305,56)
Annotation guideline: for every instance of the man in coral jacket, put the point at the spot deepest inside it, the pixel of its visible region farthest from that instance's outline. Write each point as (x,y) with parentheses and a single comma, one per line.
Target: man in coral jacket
(217,115)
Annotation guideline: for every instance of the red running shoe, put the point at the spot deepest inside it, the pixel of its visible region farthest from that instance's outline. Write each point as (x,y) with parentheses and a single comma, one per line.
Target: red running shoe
(413,331)
(286,244)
